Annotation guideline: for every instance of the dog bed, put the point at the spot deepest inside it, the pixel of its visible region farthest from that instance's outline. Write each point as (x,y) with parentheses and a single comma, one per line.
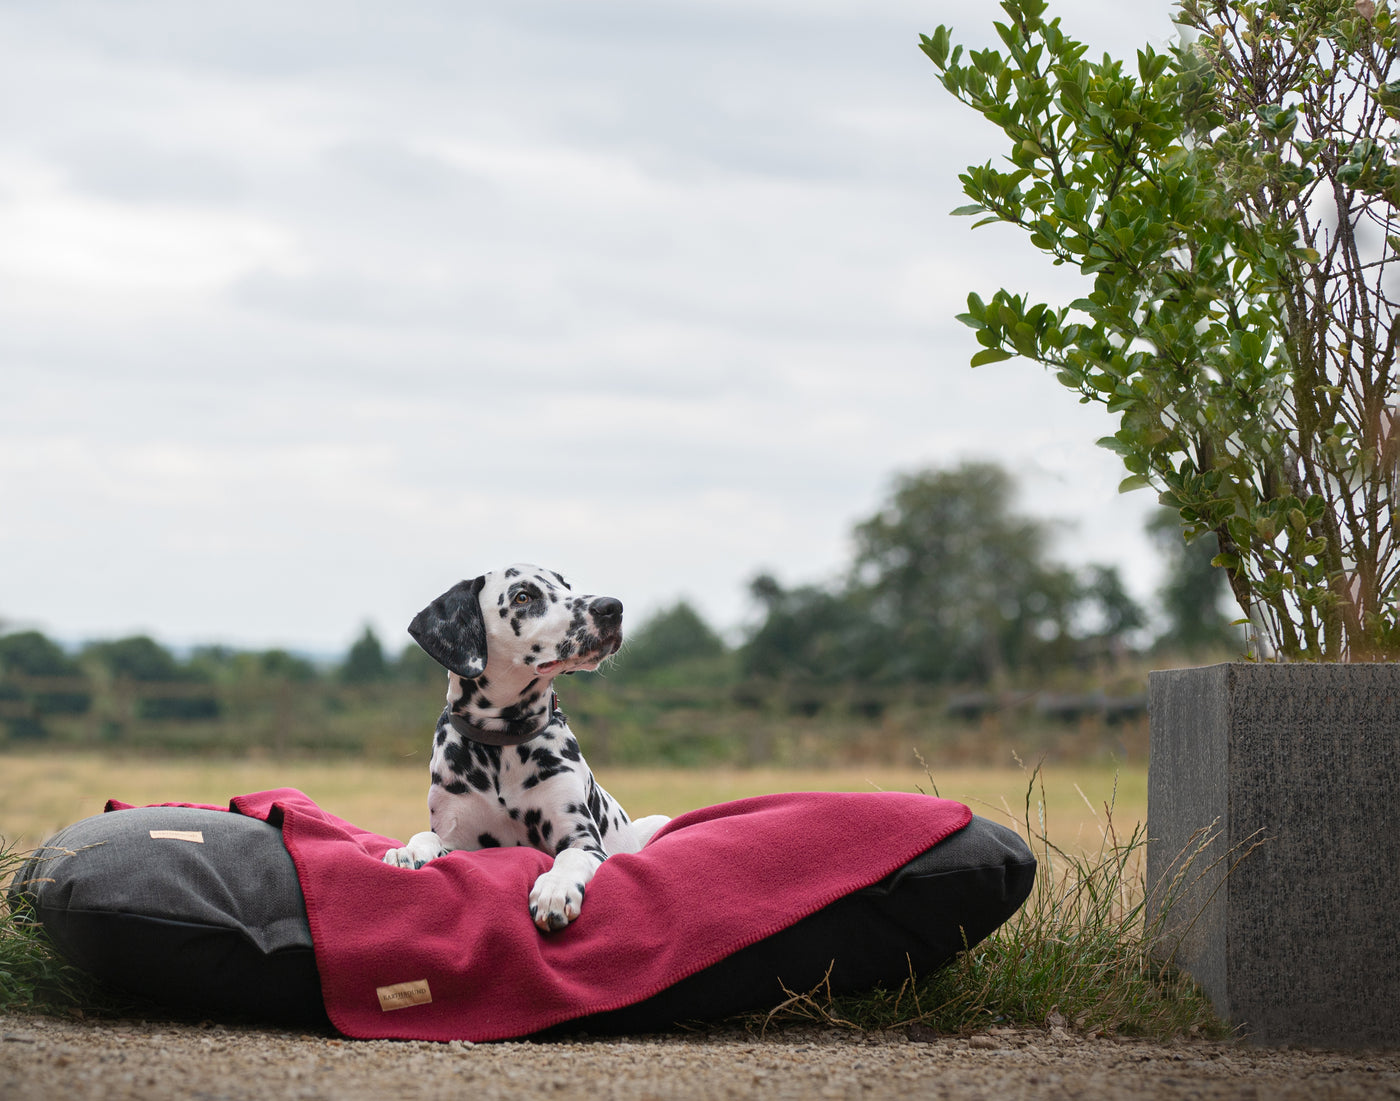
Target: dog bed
(281,912)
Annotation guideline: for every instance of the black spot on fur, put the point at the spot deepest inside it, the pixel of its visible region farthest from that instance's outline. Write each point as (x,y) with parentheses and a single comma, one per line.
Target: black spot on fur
(486,841)
(547,764)
(532,827)
(478,779)
(459,756)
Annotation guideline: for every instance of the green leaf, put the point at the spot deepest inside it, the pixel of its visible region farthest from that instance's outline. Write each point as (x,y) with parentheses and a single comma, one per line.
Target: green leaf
(1135,481)
(937,46)
(991,355)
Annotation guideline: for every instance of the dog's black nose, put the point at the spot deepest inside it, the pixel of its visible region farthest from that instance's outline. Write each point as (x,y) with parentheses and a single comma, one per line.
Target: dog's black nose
(606,607)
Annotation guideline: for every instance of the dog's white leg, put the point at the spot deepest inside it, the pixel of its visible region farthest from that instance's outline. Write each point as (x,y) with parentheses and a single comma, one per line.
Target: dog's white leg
(644,828)
(421,848)
(557,897)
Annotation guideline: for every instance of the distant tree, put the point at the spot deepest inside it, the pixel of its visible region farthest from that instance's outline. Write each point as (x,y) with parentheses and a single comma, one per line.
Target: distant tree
(671,636)
(141,658)
(808,632)
(277,664)
(1116,612)
(413,666)
(136,658)
(31,654)
(1194,591)
(365,662)
(958,581)
(1113,616)
(227,665)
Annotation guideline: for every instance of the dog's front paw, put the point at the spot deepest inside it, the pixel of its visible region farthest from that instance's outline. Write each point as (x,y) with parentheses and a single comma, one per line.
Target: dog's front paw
(421,848)
(557,898)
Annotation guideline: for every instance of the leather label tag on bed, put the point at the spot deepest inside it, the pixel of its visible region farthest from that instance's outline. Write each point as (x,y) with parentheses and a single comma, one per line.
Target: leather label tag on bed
(404,994)
(197,836)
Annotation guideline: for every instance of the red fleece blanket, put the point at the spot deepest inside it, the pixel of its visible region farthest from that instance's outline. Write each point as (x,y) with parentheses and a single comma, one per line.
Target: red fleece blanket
(448,951)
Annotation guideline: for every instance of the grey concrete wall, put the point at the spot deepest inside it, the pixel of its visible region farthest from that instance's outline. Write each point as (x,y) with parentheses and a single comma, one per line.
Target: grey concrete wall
(1300,943)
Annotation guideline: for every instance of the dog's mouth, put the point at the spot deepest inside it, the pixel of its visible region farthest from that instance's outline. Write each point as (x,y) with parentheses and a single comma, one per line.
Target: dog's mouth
(581,663)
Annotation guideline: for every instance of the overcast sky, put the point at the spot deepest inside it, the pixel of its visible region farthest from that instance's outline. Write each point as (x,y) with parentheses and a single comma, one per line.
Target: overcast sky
(309,310)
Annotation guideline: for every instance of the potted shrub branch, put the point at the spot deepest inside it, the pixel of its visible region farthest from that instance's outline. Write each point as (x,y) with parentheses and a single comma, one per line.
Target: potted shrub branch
(1234,204)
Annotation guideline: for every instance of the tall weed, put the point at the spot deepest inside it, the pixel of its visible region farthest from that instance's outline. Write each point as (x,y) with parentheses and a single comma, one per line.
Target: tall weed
(33,976)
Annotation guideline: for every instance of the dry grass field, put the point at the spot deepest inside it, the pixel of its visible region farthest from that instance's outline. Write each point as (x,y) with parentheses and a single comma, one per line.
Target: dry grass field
(40,793)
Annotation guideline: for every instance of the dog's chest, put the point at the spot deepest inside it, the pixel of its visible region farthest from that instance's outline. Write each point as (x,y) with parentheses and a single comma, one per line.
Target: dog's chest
(483,796)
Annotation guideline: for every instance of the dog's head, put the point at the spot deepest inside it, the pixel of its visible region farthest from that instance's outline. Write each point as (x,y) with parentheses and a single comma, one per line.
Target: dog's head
(521,619)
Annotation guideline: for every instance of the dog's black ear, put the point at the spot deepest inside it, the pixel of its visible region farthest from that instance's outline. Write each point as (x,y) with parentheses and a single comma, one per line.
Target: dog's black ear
(452,631)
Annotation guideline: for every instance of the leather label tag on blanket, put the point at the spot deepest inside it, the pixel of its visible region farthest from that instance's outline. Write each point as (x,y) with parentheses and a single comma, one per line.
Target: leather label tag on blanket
(404,994)
(197,836)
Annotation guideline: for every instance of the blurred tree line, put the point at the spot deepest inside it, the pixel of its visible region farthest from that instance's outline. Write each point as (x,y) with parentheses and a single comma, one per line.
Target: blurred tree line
(947,585)
(40,680)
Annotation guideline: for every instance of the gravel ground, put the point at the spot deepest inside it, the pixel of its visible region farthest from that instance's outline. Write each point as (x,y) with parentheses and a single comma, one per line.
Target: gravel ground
(42,1058)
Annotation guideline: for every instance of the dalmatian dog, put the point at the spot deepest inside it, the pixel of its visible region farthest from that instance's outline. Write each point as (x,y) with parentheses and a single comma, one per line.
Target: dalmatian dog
(506,769)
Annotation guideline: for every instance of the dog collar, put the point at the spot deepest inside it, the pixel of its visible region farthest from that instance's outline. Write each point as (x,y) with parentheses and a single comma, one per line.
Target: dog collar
(499,737)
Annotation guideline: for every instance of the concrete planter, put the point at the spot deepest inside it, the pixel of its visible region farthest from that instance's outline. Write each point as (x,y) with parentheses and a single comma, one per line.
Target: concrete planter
(1300,943)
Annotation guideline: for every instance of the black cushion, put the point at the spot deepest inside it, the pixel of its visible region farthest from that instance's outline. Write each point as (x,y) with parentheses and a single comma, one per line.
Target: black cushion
(201,911)
(210,920)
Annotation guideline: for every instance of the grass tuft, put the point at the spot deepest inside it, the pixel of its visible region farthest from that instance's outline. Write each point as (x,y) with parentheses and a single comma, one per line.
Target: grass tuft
(34,977)
(1081,954)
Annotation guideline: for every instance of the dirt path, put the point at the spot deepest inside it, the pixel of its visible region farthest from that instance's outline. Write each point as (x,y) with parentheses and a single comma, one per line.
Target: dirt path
(43,1058)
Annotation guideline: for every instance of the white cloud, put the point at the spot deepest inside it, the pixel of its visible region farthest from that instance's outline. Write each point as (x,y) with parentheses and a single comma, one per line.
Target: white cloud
(67,252)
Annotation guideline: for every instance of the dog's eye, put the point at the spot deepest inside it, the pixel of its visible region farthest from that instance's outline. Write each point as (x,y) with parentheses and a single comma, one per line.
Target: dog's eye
(522,597)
